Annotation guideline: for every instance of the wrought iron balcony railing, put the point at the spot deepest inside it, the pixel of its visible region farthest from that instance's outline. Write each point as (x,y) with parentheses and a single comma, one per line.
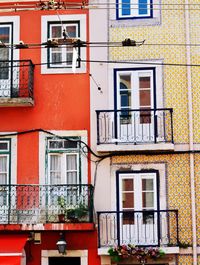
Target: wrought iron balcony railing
(140,228)
(139,126)
(32,204)
(16,79)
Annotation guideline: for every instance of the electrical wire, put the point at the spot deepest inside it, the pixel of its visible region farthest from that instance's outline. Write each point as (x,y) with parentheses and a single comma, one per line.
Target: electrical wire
(116,44)
(57,5)
(142,63)
(115,62)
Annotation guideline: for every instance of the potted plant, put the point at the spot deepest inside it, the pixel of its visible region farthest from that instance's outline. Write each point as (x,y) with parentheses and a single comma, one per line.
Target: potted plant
(76,213)
(62,209)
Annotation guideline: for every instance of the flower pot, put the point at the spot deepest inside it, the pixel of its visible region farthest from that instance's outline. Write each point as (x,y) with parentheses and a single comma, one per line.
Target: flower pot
(61,218)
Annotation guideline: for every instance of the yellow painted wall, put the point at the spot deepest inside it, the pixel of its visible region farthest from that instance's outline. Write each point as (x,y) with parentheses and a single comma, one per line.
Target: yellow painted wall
(171,30)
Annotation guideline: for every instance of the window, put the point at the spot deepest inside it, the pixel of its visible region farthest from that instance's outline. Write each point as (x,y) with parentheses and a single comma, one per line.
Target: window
(138,191)
(64,161)
(62,55)
(5,53)
(134,9)
(138,202)
(4,161)
(59,59)
(4,169)
(135,100)
(8,25)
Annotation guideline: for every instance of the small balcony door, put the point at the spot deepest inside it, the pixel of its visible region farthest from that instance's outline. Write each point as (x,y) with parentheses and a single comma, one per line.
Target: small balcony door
(137,197)
(63,165)
(5,60)
(4,180)
(135,98)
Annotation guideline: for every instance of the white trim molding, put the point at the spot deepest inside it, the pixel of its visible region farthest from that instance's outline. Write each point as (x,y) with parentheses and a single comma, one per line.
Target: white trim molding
(16,31)
(83,254)
(42,153)
(44,36)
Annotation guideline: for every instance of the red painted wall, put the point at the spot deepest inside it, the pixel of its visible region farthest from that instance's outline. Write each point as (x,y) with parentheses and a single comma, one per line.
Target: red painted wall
(75,241)
(62,101)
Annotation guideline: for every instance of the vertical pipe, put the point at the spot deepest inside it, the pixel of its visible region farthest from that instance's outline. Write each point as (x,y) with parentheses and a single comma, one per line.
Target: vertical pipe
(97,112)
(191,140)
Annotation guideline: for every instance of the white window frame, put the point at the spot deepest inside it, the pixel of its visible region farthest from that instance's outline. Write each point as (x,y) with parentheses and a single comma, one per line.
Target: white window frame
(62,49)
(13,22)
(134,10)
(45,20)
(134,77)
(83,254)
(130,67)
(137,178)
(16,31)
(11,152)
(42,154)
(63,168)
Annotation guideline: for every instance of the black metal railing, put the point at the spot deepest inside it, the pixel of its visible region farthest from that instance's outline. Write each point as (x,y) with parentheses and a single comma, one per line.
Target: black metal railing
(32,204)
(137,126)
(16,79)
(140,228)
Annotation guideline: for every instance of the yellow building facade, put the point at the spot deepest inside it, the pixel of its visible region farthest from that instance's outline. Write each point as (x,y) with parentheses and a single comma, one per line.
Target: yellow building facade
(171,38)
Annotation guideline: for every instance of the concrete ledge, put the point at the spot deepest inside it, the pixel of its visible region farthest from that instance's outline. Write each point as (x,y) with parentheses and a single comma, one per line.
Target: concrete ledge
(131,147)
(167,250)
(48,227)
(16,102)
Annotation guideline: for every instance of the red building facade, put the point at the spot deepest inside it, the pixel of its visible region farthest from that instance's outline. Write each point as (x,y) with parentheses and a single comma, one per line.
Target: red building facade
(45,132)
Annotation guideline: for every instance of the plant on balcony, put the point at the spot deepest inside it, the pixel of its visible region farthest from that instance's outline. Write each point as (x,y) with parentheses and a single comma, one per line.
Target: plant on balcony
(76,213)
(140,253)
(62,209)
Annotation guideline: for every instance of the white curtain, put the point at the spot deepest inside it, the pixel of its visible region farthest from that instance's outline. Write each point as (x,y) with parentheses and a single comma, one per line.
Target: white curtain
(71,169)
(55,169)
(3,170)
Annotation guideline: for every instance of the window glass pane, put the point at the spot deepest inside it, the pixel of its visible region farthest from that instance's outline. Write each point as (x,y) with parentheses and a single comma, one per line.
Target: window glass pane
(56,58)
(3,146)
(70,144)
(69,58)
(55,144)
(126,7)
(147,199)
(72,178)
(145,116)
(125,81)
(55,169)
(71,31)
(147,184)
(125,91)
(3,169)
(128,200)
(71,169)
(62,144)
(4,52)
(143,7)
(144,82)
(5,34)
(56,32)
(128,218)
(71,162)
(127,184)
(62,56)
(145,98)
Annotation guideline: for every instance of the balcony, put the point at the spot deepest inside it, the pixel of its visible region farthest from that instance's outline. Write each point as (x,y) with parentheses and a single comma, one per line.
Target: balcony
(140,228)
(16,83)
(134,130)
(42,204)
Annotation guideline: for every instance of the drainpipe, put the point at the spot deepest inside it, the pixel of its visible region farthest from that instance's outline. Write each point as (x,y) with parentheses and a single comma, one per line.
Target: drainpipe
(191,140)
